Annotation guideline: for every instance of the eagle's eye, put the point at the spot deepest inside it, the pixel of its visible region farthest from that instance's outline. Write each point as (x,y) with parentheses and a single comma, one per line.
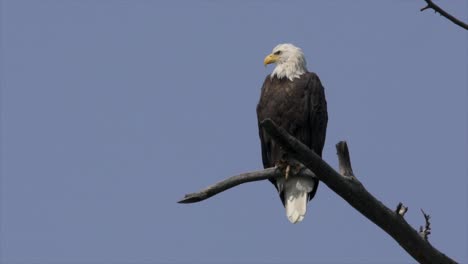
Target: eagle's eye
(278,52)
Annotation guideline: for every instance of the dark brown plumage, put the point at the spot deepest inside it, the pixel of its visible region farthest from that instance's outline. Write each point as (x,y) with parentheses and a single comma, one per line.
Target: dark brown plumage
(299,106)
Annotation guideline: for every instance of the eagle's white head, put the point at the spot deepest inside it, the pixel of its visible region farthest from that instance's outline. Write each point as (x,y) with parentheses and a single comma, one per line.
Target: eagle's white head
(289,59)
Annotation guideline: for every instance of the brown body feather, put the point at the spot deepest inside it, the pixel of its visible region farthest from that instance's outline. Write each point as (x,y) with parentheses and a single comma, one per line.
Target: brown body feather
(300,107)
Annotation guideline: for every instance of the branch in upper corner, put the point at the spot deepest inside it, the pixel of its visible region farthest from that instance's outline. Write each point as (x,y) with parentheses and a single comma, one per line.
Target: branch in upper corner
(439,10)
(426,230)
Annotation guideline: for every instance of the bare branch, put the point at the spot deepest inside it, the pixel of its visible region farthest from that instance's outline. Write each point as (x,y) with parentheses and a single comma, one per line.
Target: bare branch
(351,190)
(438,9)
(233,181)
(228,184)
(426,231)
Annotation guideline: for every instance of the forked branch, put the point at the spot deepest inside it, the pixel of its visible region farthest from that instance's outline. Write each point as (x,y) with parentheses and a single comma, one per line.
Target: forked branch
(438,9)
(353,192)
(345,185)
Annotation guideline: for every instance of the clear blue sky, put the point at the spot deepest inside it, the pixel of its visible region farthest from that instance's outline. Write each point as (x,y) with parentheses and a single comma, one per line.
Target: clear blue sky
(112,110)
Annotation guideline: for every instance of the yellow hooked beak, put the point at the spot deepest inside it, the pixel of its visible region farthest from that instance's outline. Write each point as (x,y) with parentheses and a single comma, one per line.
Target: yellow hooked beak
(272,58)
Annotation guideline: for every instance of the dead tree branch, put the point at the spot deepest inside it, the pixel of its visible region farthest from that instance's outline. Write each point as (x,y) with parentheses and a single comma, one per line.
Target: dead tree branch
(345,185)
(233,181)
(228,184)
(438,9)
(353,192)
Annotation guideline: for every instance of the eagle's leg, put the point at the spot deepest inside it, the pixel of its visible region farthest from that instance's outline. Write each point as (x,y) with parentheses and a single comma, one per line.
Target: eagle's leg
(284,167)
(290,168)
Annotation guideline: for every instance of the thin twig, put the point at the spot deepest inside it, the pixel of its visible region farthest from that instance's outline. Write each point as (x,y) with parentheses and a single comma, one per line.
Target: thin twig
(439,10)
(426,230)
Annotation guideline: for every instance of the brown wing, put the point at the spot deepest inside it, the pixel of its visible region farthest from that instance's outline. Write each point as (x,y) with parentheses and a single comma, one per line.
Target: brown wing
(262,113)
(318,116)
(298,106)
(318,119)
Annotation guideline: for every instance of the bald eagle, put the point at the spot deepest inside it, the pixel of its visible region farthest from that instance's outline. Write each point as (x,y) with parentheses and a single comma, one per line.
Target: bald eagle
(294,99)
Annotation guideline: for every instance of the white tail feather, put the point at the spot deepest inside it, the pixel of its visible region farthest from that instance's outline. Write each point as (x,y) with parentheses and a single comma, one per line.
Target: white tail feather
(296,198)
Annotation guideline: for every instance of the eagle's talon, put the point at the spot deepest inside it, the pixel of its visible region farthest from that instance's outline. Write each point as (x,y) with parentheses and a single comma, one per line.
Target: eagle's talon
(284,167)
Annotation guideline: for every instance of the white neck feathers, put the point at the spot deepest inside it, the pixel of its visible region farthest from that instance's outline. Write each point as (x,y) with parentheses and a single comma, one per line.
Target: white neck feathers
(294,67)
